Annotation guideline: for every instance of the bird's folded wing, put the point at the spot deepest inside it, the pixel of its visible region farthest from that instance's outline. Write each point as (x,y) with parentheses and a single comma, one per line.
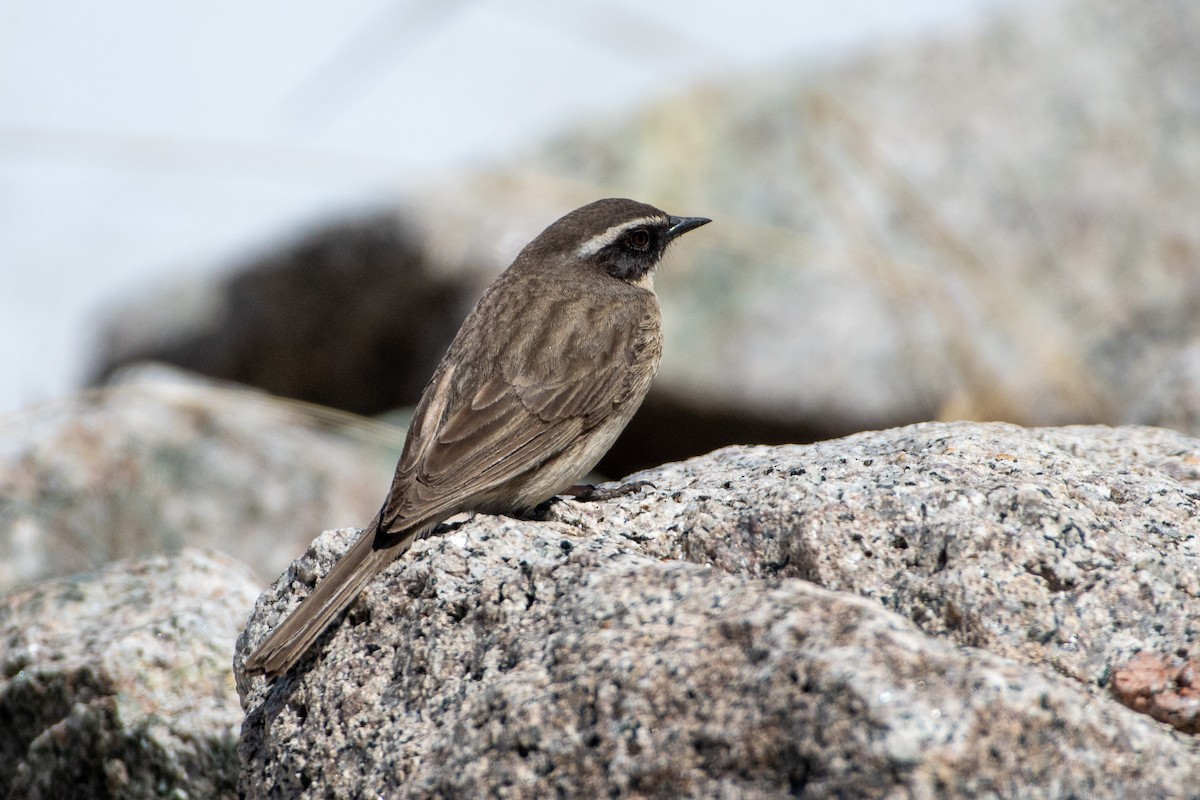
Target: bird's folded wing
(517,414)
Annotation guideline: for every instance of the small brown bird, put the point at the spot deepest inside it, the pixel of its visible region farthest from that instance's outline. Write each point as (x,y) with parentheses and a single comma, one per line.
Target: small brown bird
(543,375)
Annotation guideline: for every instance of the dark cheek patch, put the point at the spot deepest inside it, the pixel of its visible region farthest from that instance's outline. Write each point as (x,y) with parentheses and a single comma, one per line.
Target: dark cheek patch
(629,264)
(627,267)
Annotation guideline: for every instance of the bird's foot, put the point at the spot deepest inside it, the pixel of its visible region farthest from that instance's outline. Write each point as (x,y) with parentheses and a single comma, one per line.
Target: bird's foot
(589,493)
(584,493)
(540,512)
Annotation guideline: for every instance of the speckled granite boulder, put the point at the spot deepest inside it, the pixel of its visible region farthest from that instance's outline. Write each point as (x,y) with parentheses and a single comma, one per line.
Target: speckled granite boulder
(117,684)
(931,611)
(164,460)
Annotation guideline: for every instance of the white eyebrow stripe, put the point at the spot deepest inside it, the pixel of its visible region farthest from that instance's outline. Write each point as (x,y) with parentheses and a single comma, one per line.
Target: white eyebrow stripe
(602,240)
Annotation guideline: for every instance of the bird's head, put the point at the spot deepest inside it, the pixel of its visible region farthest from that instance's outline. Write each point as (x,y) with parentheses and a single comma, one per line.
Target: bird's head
(624,238)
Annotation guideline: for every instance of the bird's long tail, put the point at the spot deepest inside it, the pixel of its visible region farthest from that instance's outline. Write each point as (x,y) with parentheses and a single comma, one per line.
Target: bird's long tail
(369,556)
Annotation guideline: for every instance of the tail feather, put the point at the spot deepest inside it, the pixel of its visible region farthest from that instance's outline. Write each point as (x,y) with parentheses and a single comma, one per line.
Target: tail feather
(369,556)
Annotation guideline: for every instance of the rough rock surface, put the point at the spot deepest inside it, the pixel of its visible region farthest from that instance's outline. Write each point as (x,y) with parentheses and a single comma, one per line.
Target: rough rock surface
(931,611)
(117,684)
(163,462)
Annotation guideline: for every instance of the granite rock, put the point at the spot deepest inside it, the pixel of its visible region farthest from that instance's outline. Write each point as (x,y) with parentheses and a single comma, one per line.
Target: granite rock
(117,684)
(932,611)
(163,461)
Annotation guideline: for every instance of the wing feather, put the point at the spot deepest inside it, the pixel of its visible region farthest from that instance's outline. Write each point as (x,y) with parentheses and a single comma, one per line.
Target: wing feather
(527,401)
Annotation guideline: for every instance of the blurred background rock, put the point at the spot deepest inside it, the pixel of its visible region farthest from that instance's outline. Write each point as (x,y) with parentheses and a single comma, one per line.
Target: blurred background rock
(160,461)
(983,216)
(995,225)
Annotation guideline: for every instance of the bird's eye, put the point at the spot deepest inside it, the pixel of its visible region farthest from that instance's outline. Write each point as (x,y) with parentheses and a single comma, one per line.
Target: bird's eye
(638,239)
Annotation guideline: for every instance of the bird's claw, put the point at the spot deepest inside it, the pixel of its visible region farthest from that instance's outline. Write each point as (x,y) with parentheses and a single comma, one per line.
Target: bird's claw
(588,493)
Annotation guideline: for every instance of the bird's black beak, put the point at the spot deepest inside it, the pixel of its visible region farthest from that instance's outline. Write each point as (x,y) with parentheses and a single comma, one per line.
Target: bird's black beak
(681,225)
